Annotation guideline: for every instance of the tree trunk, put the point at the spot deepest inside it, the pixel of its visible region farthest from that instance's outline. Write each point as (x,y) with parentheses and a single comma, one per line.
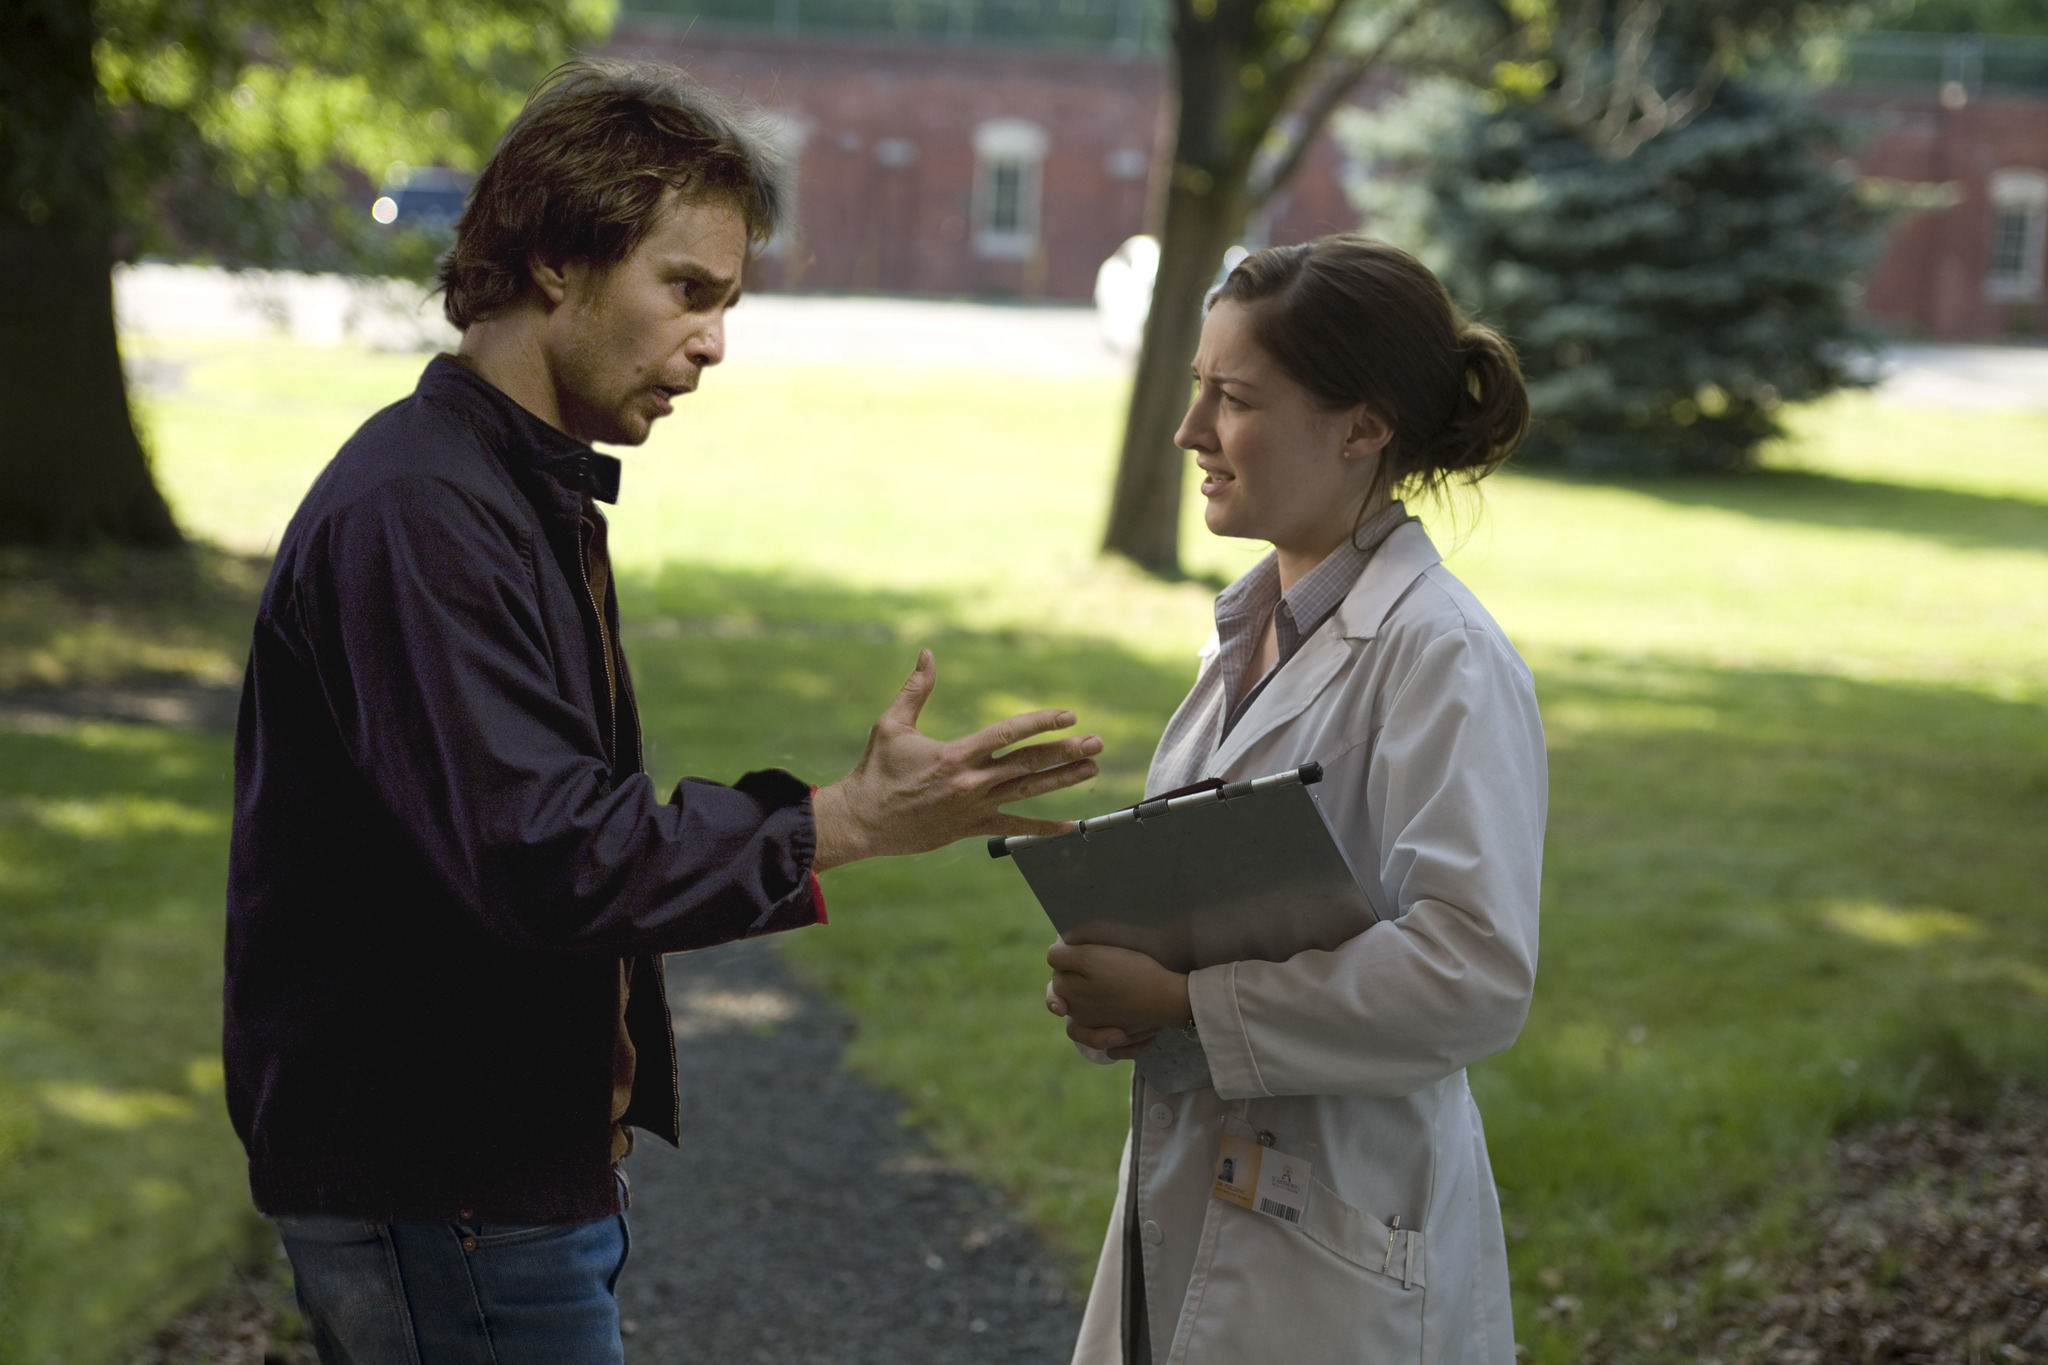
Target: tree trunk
(71,469)
(1205,213)
(1144,514)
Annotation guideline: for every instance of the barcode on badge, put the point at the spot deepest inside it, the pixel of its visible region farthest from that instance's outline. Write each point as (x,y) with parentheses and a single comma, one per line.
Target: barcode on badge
(1279,1210)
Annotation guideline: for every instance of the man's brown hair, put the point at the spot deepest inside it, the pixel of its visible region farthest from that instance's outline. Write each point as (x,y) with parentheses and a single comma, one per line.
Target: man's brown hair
(585,169)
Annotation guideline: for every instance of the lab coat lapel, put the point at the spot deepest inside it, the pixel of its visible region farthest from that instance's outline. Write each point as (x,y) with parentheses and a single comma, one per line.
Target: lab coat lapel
(1287,696)
(1406,555)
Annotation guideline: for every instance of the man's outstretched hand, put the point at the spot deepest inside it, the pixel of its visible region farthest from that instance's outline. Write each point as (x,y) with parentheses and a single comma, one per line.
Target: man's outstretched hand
(911,793)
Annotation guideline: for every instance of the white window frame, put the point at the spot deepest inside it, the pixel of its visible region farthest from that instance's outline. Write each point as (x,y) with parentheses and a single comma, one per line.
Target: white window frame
(2020,193)
(1008,147)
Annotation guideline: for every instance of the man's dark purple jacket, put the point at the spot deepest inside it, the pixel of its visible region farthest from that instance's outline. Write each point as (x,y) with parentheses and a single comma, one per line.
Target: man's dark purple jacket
(437,865)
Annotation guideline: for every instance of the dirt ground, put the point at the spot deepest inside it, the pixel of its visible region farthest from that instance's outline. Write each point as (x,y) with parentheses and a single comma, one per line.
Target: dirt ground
(801,1224)
(1932,1251)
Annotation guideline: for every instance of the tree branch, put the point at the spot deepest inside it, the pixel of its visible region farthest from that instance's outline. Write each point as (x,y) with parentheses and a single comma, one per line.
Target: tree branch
(1319,41)
(1281,85)
(1627,111)
(1335,89)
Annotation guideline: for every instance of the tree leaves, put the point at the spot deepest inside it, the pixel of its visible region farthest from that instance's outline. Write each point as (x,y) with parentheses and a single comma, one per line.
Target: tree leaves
(1665,303)
(246,130)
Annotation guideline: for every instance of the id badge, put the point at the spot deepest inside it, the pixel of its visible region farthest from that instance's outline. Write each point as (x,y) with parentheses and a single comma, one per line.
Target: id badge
(1254,1174)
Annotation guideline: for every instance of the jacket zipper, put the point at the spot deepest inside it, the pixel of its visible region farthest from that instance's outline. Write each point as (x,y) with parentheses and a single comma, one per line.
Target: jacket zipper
(611,684)
(604,640)
(675,1085)
(629,707)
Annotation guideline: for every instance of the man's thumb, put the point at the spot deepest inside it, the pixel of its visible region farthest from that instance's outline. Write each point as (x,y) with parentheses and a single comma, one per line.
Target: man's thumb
(910,699)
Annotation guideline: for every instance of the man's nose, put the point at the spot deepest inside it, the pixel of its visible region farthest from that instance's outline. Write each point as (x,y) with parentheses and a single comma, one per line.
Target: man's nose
(706,345)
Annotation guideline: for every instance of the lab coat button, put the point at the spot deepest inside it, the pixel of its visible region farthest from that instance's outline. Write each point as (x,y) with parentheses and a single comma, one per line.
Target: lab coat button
(1161,1116)
(1153,1234)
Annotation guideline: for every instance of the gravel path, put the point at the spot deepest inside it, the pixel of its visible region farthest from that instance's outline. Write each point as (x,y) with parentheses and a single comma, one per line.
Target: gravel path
(801,1223)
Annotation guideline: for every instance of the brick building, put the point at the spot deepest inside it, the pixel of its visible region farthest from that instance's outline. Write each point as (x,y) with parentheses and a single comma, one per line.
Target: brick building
(928,162)
(1003,148)
(1958,126)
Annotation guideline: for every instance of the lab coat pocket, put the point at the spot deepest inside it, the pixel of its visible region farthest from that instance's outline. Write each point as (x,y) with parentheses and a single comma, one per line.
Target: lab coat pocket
(1366,1242)
(1274,1291)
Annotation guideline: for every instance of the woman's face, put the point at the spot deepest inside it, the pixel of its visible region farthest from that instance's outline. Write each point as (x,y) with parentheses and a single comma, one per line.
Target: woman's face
(1276,464)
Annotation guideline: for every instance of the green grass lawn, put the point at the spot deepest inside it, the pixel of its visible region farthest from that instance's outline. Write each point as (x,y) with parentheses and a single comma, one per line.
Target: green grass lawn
(121,1191)
(1799,741)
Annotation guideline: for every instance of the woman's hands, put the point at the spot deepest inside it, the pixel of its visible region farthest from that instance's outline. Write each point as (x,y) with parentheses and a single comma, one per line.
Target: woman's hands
(1114,999)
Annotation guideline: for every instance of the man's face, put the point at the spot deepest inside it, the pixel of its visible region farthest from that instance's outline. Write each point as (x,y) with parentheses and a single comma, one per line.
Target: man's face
(625,340)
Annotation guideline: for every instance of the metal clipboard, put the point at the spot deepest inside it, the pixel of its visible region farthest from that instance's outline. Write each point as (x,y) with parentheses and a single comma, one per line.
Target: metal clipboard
(1244,871)
(1248,871)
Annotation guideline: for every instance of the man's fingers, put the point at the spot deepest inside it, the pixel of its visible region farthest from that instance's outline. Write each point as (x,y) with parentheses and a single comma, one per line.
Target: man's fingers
(1033,758)
(916,690)
(1038,784)
(1010,825)
(1011,730)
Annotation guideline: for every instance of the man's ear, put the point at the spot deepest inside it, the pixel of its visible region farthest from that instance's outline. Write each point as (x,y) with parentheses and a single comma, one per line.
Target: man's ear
(551,280)
(1368,436)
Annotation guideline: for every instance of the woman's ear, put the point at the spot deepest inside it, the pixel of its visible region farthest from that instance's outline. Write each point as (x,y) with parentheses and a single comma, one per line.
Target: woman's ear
(1368,436)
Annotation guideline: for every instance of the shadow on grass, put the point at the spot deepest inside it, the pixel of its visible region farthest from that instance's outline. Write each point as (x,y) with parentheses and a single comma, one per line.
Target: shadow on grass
(122,1191)
(125,617)
(121,1187)
(1975,521)
(736,669)
(1773,903)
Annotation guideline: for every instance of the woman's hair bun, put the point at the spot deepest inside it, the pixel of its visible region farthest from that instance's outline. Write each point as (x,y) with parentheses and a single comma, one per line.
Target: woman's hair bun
(1489,413)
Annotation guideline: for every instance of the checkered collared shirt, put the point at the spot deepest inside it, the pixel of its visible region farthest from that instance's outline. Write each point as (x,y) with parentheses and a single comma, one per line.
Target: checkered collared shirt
(1242,611)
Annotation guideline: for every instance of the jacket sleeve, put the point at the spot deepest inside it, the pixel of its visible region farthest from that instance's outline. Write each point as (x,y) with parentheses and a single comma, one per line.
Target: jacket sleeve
(1450,812)
(421,611)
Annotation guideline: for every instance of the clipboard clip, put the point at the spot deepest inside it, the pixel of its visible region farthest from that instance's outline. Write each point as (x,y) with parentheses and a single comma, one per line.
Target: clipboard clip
(1308,774)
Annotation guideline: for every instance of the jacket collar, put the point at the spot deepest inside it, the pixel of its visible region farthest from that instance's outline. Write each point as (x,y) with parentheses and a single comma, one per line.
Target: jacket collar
(1402,558)
(522,440)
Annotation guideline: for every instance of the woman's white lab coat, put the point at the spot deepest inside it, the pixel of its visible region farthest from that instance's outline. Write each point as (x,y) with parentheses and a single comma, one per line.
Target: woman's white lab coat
(1424,719)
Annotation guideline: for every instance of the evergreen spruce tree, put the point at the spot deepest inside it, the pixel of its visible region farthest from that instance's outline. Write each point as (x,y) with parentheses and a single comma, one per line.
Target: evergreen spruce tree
(1666,303)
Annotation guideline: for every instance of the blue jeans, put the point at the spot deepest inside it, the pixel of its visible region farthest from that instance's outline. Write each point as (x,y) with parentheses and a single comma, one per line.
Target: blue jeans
(448,1294)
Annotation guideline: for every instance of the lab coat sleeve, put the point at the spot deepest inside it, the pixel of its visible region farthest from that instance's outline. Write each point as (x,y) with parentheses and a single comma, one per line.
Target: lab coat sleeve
(1447,801)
